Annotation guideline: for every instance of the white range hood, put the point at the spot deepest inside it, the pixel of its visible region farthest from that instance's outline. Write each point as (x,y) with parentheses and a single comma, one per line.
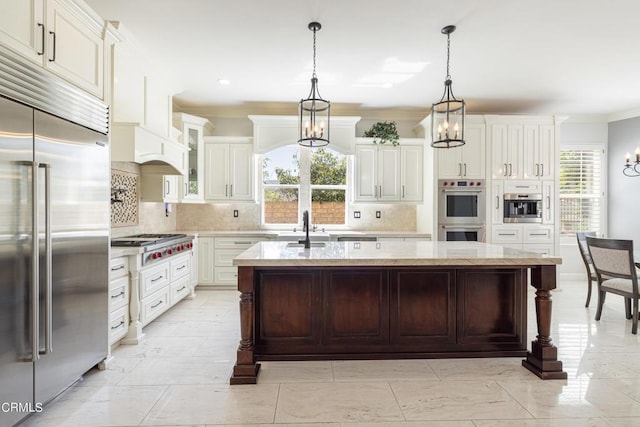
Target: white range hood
(140,145)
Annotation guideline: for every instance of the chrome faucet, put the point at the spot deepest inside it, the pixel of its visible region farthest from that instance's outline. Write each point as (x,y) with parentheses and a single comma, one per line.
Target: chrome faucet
(305,227)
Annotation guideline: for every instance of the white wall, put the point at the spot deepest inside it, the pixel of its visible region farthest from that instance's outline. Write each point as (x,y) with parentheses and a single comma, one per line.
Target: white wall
(624,192)
(572,267)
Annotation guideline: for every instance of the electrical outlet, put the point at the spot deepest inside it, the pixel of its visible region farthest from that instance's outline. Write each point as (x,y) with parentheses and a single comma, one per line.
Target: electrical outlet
(378,214)
(356,214)
(235,213)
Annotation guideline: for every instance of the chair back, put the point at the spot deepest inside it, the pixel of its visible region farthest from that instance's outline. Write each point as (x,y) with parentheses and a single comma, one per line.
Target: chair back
(582,245)
(612,258)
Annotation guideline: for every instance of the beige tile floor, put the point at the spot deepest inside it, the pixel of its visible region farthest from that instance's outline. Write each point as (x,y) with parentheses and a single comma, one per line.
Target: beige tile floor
(179,377)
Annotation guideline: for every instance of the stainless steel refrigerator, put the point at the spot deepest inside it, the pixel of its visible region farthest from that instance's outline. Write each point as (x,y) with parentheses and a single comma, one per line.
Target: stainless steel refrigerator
(54,237)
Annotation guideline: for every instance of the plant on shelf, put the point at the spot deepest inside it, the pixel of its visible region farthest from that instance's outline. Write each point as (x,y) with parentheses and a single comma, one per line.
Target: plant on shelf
(384,132)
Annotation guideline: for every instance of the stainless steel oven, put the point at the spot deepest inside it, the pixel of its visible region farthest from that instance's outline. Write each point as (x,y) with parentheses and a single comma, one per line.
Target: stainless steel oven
(520,207)
(461,233)
(461,202)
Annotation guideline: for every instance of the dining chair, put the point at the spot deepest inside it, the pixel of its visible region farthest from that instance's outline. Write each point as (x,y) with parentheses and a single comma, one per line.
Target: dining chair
(586,258)
(616,273)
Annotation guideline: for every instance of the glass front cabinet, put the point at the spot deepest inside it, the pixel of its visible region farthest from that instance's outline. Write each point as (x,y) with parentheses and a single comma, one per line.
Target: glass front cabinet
(193,129)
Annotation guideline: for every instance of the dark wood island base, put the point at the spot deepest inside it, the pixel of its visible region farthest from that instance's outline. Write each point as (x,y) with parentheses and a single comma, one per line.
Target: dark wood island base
(392,312)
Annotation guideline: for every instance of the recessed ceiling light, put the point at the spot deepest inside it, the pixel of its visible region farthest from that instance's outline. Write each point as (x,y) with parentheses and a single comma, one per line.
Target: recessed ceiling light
(224,82)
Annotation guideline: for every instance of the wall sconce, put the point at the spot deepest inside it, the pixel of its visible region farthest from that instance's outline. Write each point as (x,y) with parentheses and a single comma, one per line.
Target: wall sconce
(629,169)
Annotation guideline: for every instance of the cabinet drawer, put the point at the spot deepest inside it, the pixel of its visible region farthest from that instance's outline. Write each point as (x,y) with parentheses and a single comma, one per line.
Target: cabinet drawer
(153,279)
(118,324)
(238,243)
(224,258)
(180,267)
(179,290)
(538,235)
(119,267)
(154,305)
(539,249)
(226,275)
(118,293)
(522,187)
(507,234)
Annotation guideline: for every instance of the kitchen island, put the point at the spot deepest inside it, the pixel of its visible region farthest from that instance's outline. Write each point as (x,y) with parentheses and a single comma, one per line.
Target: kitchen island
(392,300)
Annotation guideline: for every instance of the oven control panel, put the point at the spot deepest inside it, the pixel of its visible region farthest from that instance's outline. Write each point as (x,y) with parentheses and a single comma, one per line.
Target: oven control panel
(165,252)
(460,184)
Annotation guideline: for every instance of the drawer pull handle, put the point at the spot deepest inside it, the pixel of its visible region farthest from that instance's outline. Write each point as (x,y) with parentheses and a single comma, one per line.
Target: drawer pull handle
(241,243)
(538,234)
(120,267)
(158,304)
(157,278)
(181,289)
(182,267)
(506,234)
(121,324)
(117,296)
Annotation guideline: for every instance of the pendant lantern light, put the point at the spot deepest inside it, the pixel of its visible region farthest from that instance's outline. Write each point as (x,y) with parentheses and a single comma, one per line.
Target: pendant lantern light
(314,112)
(447,115)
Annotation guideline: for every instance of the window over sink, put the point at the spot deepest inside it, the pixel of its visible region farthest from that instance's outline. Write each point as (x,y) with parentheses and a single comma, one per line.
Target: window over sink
(292,174)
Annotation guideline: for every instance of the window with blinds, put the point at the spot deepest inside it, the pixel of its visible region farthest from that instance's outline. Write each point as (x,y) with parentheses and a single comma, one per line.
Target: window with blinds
(581,189)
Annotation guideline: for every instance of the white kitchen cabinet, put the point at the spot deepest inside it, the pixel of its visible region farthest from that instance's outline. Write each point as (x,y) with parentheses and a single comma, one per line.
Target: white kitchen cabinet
(495,204)
(63,36)
(466,161)
(548,201)
(533,237)
(192,129)
(195,264)
(507,145)
(522,147)
(539,154)
(118,299)
(377,169)
(411,173)
(229,169)
(206,264)
(159,188)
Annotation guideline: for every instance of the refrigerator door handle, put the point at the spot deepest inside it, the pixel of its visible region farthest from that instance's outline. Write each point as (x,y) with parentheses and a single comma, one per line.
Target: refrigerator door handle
(35,256)
(48,320)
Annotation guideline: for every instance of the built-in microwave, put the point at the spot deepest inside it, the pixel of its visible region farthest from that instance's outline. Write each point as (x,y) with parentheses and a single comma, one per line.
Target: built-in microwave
(461,202)
(522,207)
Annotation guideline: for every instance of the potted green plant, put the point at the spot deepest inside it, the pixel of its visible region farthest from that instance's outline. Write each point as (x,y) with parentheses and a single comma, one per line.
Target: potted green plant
(383,132)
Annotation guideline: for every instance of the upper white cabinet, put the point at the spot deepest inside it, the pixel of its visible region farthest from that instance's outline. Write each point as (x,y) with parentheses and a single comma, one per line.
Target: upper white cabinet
(467,161)
(539,151)
(192,129)
(385,173)
(229,168)
(63,36)
(522,148)
(156,187)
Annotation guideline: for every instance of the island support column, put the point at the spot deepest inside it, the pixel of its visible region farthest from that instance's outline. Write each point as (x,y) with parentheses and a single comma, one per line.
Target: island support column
(246,369)
(542,360)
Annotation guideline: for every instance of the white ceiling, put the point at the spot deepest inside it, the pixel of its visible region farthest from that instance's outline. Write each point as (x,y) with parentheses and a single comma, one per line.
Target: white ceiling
(566,57)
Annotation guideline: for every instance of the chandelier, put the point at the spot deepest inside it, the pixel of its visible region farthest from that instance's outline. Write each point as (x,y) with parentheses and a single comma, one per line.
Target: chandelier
(632,170)
(314,112)
(447,116)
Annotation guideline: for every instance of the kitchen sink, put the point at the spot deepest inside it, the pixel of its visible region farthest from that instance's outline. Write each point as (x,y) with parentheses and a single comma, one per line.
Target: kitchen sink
(301,245)
(300,235)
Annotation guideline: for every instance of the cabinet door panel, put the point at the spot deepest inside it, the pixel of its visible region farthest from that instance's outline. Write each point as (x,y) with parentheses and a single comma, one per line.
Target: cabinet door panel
(216,166)
(492,307)
(388,173)
(19,28)
(289,305)
(474,152)
(546,152)
(74,52)
(241,172)
(205,260)
(411,169)
(356,307)
(450,163)
(531,163)
(366,181)
(499,151)
(422,305)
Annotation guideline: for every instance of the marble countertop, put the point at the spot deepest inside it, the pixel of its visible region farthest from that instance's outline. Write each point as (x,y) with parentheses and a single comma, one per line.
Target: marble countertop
(333,233)
(389,253)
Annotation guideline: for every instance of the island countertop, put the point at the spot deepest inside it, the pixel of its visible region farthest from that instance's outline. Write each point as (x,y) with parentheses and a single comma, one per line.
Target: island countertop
(391,253)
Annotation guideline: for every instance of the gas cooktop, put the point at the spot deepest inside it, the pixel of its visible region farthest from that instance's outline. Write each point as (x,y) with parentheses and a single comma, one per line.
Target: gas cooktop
(146,239)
